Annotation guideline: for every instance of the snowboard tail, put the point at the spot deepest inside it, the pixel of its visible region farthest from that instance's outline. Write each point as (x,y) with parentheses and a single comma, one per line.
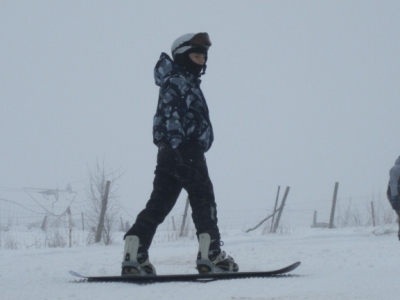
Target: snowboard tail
(189,277)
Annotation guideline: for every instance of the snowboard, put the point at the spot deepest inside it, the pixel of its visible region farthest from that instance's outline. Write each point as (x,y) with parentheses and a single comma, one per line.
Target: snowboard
(188,277)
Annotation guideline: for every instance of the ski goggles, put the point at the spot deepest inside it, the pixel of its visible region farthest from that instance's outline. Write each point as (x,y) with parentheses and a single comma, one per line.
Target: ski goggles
(198,40)
(201,39)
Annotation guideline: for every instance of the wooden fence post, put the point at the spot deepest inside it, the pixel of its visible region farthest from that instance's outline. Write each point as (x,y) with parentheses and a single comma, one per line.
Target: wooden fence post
(184,217)
(281,209)
(276,203)
(127,226)
(104,201)
(44,223)
(173,223)
(83,221)
(333,205)
(70,225)
(373,213)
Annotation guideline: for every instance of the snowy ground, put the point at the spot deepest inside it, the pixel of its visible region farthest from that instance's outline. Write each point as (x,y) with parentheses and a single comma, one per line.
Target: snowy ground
(355,263)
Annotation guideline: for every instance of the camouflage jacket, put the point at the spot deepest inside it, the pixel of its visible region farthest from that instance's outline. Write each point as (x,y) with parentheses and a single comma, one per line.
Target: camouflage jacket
(182,115)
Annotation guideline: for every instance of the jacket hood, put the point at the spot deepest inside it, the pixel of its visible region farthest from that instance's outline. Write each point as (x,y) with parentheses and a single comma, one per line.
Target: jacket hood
(162,69)
(166,67)
(397,161)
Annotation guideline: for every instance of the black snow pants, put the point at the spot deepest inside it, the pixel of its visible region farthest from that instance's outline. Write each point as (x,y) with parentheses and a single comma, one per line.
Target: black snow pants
(166,190)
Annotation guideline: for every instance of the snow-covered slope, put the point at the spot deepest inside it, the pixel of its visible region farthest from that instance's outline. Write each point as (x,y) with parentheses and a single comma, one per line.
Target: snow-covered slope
(346,264)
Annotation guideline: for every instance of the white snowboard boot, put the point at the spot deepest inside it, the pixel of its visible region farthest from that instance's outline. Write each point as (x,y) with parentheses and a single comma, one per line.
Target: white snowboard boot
(213,261)
(134,263)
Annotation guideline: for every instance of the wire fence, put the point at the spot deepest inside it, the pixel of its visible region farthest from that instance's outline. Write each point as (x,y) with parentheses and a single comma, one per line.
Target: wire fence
(24,226)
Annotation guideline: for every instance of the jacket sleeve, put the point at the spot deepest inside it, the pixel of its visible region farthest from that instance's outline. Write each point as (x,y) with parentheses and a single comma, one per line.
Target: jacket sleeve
(394,179)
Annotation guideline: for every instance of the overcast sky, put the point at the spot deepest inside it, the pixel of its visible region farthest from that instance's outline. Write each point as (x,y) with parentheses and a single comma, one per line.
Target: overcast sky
(301,94)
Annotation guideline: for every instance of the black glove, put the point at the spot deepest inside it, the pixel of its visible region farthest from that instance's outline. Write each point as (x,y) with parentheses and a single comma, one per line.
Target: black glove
(183,170)
(395,201)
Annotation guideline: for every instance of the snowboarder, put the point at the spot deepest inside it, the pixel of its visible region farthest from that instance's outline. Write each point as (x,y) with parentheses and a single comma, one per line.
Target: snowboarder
(394,188)
(182,131)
